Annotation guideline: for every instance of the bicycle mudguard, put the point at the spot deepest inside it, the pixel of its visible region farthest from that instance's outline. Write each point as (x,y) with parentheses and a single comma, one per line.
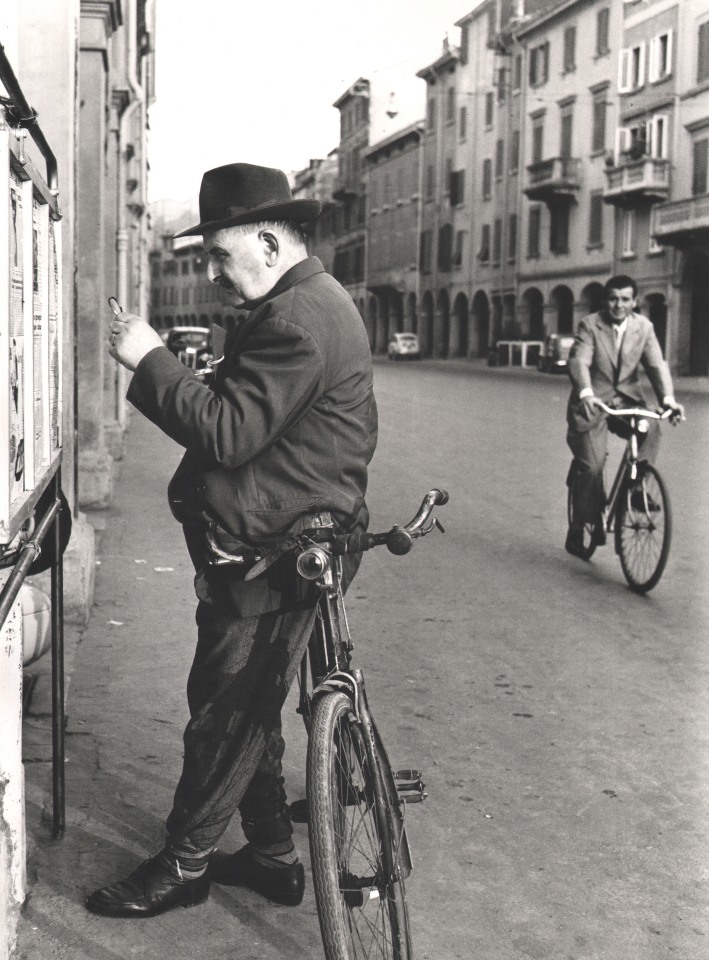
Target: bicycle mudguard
(395,803)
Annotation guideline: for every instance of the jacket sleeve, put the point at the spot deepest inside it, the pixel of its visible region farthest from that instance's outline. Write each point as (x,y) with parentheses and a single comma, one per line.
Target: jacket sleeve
(655,366)
(277,376)
(581,357)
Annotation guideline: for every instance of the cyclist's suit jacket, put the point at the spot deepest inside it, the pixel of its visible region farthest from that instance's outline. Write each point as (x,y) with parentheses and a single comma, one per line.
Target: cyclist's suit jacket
(593,363)
(288,426)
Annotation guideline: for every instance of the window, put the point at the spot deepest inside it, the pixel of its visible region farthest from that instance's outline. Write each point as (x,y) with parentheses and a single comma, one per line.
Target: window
(566,134)
(631,68)
(445,247)
(457,187)
(517,72)
(700,167)
(450,105)
(459,250)
(538,141)
(602,31)
(484,254)
(627,228)
(569,49)
(185,267)
(512,237)
(430,182)
(499,159)
(489,109)
(491,24)
(598,135)
(501,84)
(462,124)
(448,176)
(431,114)
(646,139)
(539,65)
(497,241)
(487,179)
(660,59)
(514,152)
(464,46)
(559,229)
(703,53)
(425,252)
(595,220)
(533,231)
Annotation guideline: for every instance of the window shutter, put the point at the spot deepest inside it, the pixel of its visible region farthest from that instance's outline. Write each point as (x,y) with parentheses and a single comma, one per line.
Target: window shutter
(653,70)
(703,53)
(641,65)
(624,70)
(668,64)
(622,142)
(700,168)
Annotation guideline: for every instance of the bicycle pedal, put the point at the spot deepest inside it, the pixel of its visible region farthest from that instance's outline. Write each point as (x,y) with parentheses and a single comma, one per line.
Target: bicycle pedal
(410,786)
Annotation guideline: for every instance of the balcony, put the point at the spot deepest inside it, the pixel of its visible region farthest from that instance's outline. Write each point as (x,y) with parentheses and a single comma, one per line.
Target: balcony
(635,181)
(682,223)
(346,188)
(553,181)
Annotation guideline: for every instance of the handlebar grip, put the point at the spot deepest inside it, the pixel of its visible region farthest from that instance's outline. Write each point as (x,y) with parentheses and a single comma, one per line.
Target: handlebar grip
(399,541)
(441,497)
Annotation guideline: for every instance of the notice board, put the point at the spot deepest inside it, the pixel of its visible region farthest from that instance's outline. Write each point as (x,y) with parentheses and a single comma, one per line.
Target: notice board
(30,334)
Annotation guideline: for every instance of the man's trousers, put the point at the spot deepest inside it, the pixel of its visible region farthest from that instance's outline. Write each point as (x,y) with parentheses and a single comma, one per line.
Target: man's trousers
(589,448)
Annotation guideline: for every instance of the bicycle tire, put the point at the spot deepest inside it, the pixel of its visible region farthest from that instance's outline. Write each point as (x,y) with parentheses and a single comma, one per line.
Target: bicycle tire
(643,529)
(355,859)
(589,529)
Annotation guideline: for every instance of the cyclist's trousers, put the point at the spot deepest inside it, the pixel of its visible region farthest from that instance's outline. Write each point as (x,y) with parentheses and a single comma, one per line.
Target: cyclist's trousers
(242,670)
(589,450)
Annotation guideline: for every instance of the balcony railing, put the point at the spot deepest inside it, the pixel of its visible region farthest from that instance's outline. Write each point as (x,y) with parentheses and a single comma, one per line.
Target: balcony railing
(682,222)
(552,180)
(644,179)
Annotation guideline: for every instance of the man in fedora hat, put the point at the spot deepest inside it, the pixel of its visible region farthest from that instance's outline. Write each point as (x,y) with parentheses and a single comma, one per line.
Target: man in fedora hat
(286,429)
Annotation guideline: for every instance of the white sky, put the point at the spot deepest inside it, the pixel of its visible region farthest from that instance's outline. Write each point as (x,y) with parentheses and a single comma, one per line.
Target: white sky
(254,80)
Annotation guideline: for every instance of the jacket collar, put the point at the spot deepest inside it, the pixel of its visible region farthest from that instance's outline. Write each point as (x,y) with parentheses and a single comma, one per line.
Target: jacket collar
(301,271)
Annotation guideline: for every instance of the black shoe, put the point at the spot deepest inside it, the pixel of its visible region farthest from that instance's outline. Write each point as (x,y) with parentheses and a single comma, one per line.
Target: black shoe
(148,891)
(283,884)
(598,537)
(574,542)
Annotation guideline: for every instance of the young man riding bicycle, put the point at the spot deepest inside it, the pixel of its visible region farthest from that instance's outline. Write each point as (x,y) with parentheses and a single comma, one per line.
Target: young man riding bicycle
(610,348)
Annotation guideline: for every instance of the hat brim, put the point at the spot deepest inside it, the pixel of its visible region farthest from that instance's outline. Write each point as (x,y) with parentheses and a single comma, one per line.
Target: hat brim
(299,210)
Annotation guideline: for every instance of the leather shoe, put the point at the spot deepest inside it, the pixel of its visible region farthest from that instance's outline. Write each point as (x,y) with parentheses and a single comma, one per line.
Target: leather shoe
(574,542)
(148,891)
(282,884)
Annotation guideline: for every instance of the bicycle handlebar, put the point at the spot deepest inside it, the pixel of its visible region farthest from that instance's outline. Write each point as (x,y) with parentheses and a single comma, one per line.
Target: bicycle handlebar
(398,540)
(634,411)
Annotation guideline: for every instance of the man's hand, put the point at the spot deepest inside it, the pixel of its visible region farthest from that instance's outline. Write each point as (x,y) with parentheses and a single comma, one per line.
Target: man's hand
(590,405)
(130,339)
(677,411)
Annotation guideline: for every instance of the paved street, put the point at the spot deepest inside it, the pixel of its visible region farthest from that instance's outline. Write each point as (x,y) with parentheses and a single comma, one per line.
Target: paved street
(560,720)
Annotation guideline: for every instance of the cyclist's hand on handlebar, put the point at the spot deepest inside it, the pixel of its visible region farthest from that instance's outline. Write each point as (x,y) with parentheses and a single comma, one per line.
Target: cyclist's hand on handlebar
(677,411)
(590,405)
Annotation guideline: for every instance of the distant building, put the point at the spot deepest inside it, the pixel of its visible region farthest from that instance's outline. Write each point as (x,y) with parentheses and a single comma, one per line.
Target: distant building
(317,182)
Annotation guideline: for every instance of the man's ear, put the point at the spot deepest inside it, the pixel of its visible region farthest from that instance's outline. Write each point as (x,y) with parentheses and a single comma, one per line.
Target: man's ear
(271,246)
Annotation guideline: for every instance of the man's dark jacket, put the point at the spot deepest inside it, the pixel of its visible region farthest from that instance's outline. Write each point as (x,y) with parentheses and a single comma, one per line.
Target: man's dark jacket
(290,423)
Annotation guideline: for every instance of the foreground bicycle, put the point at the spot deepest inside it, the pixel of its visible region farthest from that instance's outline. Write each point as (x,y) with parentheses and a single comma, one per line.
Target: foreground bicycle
(637,509)
(354,803)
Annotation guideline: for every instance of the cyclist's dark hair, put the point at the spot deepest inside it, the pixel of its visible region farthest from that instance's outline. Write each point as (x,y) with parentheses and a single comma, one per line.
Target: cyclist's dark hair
(620,283)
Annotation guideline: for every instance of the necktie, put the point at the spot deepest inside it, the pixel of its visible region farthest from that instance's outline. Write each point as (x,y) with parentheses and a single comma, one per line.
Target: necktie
(618,339)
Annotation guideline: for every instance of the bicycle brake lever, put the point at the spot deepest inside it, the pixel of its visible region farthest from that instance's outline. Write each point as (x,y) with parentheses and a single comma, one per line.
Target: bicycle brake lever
(437,523)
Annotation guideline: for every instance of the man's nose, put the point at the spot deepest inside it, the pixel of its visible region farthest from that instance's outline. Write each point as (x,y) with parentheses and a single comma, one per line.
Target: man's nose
(212,272)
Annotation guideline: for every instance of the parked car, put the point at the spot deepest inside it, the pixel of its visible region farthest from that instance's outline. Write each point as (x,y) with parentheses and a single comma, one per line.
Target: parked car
(554,354)
(191,345)
(403,346)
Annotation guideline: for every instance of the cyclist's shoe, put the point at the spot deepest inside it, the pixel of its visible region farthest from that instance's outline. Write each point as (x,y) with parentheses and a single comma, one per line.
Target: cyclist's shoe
(148,891)
(282,884)
(598,538)
(574,542)
(643,502)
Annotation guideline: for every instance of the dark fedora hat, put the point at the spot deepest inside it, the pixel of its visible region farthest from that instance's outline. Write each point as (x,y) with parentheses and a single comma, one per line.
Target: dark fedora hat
(244,193)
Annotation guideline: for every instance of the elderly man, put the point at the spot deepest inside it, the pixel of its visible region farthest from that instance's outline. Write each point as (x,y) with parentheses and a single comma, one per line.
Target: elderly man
(609,349)
(287,428)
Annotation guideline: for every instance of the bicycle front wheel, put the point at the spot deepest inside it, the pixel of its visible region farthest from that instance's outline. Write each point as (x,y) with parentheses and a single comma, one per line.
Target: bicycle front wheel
(354,849)
(643,528)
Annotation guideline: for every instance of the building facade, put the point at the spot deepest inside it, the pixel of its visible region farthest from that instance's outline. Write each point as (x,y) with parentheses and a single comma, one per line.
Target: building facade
(562,141)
